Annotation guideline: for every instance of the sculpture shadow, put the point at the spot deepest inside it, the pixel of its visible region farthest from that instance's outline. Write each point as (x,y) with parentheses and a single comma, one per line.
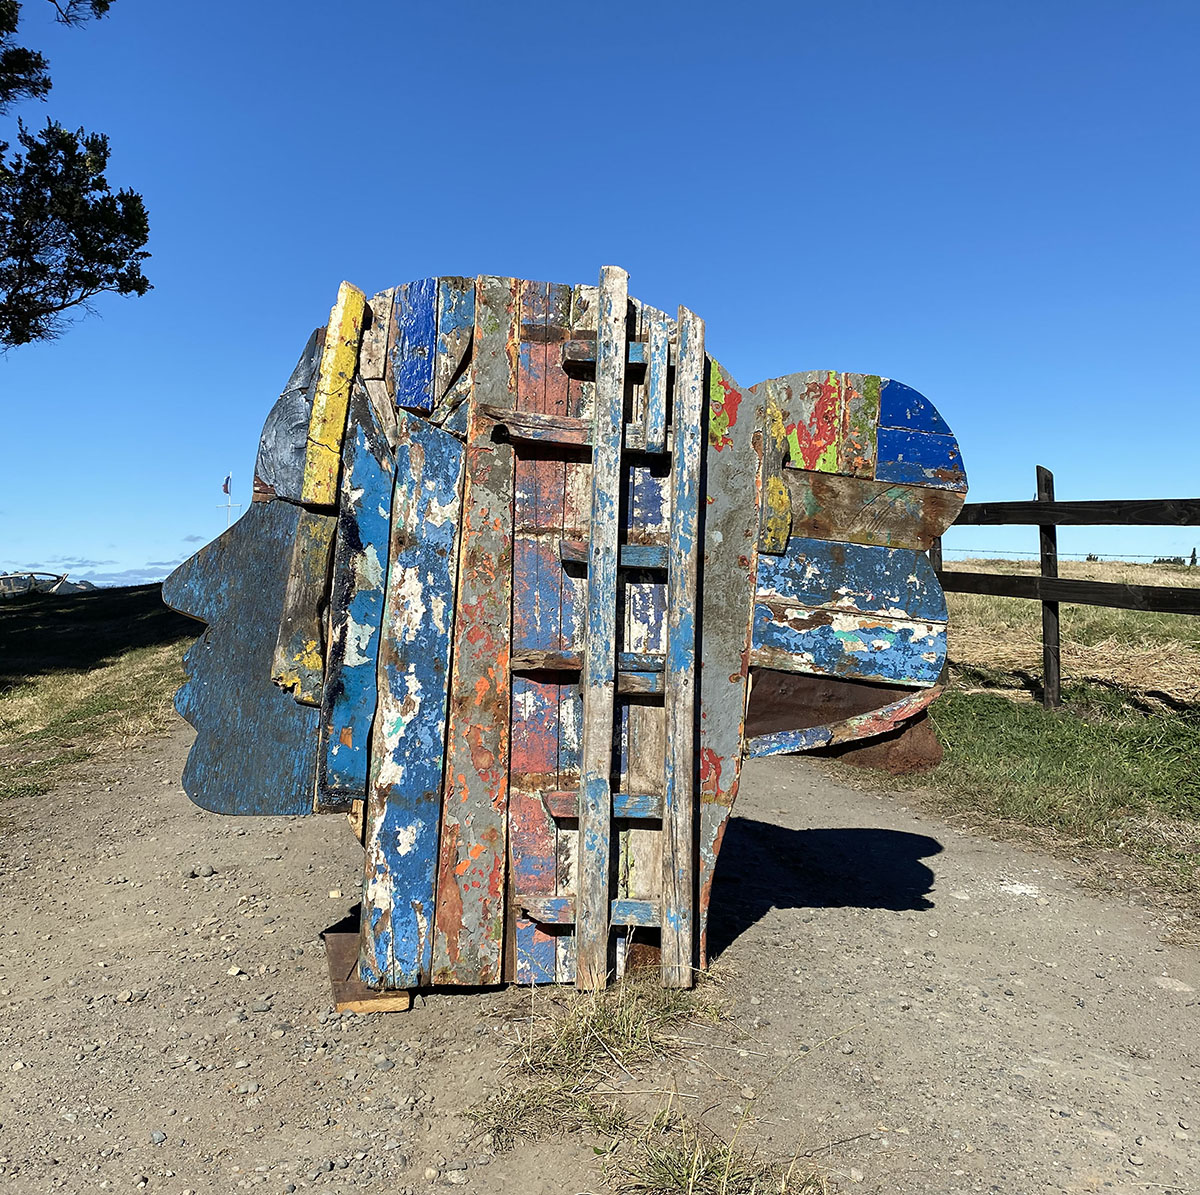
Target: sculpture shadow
(763,867)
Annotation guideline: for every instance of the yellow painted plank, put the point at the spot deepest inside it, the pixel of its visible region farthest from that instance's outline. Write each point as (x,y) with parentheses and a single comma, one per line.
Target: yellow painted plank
(328,422)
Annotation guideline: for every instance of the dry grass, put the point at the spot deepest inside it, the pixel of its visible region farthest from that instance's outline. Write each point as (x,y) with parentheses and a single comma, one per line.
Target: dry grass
(82,674)
(569,1061)
(1155,655)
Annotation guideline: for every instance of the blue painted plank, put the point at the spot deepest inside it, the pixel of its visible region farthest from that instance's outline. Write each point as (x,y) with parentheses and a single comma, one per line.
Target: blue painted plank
(279,466)
(871,580)
(455,321)
(787,742)
(855,646)
(679,787)
(658,344)
(360,562)
(918,458)
(415,347)
(653,556)
(634,912)
(902,406)
(256,748)
(409,741)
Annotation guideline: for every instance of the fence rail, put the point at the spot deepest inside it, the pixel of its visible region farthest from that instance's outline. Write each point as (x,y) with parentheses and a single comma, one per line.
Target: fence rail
(1048,588)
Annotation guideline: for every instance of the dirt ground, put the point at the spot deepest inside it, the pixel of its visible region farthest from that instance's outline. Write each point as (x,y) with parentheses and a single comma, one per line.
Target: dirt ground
(915,1008)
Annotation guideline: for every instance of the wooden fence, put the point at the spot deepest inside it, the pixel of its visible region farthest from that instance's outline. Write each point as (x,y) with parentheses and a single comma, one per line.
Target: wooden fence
(1048,588)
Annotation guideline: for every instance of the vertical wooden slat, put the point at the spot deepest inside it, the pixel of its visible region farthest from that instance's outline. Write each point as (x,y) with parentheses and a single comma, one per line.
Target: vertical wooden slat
(679,793)
(1048,550)
(299,664)
(469,933)
(599,670)
(731,528)
(327,423)
(658,346)
(935,553)
(408,747)
(412,355)
(355,607)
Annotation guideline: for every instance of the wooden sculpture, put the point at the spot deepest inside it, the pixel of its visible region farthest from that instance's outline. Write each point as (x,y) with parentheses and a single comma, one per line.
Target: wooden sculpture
(516,553)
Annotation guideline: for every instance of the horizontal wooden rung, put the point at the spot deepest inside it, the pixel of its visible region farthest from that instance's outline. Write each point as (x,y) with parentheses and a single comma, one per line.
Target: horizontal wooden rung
(572,661)
(583,352)
(575,551)
(566,431)
(560,910)
(565,804)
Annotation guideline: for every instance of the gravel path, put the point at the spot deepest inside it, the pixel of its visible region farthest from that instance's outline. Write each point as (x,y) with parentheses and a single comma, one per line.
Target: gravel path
(918,1009)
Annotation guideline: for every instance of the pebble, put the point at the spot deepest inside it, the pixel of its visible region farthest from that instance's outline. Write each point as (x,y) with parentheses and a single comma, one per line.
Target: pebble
(157,1137)
(204,870)
(458,1177)
(748,1093)
(1136,1160)
(261,1006)
(384,1064)
(847,1048)
(430,1174)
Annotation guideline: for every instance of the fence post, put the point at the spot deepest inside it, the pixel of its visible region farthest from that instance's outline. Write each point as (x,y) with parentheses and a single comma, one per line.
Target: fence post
(1048,548)
(935,554)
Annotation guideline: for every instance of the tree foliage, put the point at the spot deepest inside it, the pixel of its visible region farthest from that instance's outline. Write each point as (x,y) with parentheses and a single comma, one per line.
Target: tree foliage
(65,237)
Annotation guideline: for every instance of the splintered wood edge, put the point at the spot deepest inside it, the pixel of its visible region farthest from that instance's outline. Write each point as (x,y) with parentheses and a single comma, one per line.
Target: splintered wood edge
(350,994)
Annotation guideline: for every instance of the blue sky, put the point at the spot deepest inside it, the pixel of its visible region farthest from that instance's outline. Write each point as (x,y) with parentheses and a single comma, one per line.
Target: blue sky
(994,203)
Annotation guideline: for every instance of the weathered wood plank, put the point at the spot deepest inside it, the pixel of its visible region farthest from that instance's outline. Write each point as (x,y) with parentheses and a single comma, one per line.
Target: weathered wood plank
(856,646)
(360,561)
(255,748)
(902,406)
(279,466)
(679,791)
(658,350)
(860,726)
(349,992)
(469,933)
(642,806)
(455,330)
(575,551)
(414,343)
(599,672)
(870,580)
(543,624)
(299,664)
(376,340)
(776,519)
(583,352)
(862,511)
(409,738)
(331,399)
(1118,512)
(1157,599)
(560,910)
(733,464)
(919,458)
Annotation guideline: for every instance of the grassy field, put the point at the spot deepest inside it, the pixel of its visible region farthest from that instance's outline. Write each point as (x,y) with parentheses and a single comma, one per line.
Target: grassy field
(82,673)
(1117,766)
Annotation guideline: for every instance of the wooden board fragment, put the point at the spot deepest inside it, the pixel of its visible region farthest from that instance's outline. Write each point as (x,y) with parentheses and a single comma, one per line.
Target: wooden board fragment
(414,344)
(376,340)
(331,400)
(350,994)
(679,791)
(279,466)
(733,466)
(404,799)
(469,931)
(847,610)
(599,671)
(255,749)
(360,562)
(299,664)
(919,458)
(862,511)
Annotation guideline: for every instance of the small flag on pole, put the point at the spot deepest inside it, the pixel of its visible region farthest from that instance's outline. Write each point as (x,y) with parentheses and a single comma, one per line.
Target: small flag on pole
(225,483)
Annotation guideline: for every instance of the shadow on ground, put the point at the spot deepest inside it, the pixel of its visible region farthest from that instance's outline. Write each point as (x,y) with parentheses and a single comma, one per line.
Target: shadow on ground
(42,633)
(763,866)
